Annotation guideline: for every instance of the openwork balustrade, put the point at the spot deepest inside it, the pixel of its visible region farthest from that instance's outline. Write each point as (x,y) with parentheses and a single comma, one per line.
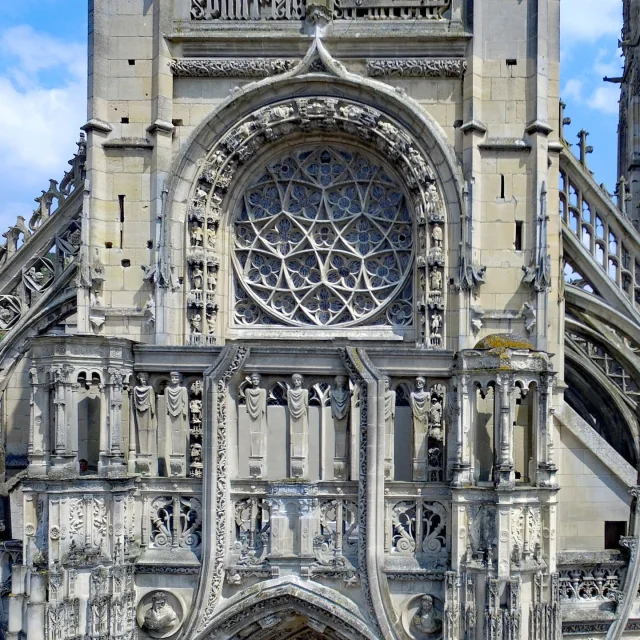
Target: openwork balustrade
(297,9)
(591,584)
(174,522)
(21,231)
(417,528)
(603,232)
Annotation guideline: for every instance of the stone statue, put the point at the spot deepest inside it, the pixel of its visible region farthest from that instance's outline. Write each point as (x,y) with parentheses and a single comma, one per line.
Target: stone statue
(427,619)
(420,401)
(144,400)
(435,418)
(161,617)
(178,422)
(435,278)
(436,236)
(298,403)
(340,408)
(256,403)
(389,432)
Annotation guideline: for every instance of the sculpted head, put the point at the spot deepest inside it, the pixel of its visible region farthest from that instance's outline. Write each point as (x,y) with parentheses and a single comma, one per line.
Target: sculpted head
(158,600)
(143,379)
(297,379)
(341,382)
(175,378)
(426,604)
(255,380)
(420,382)
(387,384)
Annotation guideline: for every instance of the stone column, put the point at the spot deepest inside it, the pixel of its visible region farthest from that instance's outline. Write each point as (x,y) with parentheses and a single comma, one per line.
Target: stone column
(114,407)
(389,431)
(39,446)
(308,526)
(503,425)
(36,605)
(461,413)
(279,528)
(543,425)
(64,422)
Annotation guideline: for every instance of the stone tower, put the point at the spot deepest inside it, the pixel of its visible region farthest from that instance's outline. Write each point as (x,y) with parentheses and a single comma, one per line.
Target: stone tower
(300,347)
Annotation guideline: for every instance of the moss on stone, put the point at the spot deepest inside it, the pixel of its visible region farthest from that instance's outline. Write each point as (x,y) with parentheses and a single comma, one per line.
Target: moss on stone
(504,341)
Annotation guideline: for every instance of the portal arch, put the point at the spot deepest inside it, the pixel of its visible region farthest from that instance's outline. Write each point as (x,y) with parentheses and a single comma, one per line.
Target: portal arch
(287,608)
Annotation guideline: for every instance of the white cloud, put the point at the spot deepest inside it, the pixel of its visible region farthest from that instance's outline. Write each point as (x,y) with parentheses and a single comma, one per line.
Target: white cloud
(588,20)
(40,121)
(605,99)
(573,89)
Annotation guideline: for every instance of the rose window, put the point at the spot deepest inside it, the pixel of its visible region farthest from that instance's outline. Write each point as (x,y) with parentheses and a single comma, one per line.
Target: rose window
(322,238)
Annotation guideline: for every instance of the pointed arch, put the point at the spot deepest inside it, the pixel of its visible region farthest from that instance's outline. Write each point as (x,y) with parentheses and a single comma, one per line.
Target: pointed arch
(291,603)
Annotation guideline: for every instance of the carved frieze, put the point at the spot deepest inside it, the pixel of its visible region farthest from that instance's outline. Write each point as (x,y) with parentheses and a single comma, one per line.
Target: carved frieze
(229,67)
(416,68)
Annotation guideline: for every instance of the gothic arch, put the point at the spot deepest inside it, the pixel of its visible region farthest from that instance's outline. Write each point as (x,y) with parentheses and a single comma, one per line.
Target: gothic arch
(368,113)
(285,608)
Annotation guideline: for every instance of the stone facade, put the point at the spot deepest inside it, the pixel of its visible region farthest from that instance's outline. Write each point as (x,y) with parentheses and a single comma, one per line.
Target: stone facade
(299,347)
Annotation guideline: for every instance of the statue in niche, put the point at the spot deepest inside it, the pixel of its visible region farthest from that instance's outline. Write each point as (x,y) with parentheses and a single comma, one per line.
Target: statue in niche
(427,619)
(298,403)
(196,277)
(435,412)
(435,278)
(436,236)
(161,616)
(178,422)
(256,403)
(144,400)
(390,424)
(340,408)
(420,401)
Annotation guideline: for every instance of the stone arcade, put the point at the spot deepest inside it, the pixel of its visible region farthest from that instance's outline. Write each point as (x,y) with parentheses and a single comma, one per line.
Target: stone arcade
(300,346)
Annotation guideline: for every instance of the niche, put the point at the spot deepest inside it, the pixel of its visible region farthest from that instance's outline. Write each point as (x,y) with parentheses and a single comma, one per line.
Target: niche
(89,409)
(484,434)
(523,433)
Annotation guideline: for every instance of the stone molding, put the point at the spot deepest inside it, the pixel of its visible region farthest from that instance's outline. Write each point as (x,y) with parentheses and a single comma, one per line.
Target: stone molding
(229,67)
(416,68)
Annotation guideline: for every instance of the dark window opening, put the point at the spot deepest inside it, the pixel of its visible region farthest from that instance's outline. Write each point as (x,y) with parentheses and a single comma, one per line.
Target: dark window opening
(177,122)
(518,239)
(149,244)
(502,186)
(613,530)
(108,245)
(124,120)
(132,63)
(125,263)
(121,207)
(511,62)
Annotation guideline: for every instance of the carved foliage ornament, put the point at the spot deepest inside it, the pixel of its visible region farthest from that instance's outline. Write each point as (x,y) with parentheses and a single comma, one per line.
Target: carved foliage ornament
(324,235)
(230,68)
(416,68)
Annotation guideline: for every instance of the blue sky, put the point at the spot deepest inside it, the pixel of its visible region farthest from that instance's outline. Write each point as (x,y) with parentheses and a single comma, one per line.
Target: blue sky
(43,89)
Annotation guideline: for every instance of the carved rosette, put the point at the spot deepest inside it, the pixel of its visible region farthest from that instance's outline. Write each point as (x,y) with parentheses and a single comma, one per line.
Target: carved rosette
(362,124)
